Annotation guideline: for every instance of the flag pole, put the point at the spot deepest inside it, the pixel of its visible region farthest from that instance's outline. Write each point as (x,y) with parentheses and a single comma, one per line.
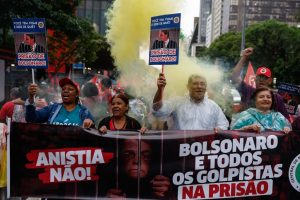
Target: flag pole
(32,73)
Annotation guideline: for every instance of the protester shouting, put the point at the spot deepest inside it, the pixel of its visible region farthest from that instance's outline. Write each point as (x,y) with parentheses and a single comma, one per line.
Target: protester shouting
(193,112)
(262,117)
(69,112)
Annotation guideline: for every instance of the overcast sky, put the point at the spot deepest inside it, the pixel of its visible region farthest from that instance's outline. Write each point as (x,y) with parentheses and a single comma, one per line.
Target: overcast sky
(190,11)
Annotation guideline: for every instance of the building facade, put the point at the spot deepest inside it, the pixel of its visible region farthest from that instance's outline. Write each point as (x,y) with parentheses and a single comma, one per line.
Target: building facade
(95,10)
(205,12)
(233,15)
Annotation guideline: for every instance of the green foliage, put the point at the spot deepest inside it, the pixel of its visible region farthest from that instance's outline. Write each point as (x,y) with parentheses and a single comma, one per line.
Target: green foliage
(227,46)
(200,51)
(74,38)
(59,14)
(275,44)
(297,17)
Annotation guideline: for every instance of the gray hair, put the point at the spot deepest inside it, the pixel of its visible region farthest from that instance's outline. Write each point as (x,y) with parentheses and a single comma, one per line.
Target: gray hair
(15,92)
(193,76)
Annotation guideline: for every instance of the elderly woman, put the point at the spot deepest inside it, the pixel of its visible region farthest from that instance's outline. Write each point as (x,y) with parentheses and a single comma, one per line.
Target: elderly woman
(69,112)
(119,120)
(262,117)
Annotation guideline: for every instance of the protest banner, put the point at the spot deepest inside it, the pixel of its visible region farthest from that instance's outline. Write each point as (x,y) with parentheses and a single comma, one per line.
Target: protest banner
(164,39)
(30,43)
(291,96)
(71,162)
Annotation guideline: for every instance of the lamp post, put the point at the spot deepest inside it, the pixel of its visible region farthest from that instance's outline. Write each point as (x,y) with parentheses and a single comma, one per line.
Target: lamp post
(243,25)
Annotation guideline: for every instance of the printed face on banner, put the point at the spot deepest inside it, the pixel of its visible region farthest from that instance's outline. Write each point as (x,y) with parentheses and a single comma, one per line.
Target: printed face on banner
(130,159)
(196,164)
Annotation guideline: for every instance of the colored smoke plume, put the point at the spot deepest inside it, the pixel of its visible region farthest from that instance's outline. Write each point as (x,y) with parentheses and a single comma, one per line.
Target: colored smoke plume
(129,34)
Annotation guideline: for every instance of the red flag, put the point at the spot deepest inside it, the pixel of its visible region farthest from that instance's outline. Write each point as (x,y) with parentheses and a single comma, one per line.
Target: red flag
(250,76)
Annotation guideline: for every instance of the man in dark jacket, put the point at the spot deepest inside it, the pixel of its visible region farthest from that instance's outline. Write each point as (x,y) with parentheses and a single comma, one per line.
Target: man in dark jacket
(164,41)
(29,45)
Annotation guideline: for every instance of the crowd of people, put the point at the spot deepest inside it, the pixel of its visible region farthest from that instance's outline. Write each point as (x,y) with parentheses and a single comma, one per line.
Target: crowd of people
(108,109)
(105,109)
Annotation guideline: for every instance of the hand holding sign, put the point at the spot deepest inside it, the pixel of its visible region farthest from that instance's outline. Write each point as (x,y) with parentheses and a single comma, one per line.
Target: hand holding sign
(161,81)
(32,91)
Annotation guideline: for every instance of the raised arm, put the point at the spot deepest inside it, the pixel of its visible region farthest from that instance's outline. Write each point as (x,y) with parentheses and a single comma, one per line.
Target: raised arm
(157,100)
(32,91)
(239,66)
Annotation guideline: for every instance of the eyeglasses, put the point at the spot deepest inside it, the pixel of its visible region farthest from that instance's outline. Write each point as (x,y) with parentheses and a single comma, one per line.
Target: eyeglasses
(129,155)
(261,78)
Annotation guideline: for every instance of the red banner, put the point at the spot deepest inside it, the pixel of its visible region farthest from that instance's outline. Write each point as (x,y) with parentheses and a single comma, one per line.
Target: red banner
(250,76)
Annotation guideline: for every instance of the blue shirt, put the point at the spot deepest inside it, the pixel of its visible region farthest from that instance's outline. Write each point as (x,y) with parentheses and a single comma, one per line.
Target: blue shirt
(49,113)
(65,117)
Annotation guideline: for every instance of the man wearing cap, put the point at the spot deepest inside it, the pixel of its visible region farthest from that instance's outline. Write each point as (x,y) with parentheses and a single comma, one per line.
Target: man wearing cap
(69,112)
(263,78)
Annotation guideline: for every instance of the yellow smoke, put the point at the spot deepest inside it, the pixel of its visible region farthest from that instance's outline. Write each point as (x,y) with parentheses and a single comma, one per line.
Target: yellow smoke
(129,31)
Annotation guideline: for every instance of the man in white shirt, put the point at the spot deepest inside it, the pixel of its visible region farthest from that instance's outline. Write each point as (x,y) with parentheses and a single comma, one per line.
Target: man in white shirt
(192,112)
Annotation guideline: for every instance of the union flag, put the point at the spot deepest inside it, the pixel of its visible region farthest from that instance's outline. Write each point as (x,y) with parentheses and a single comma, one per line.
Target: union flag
(250,76)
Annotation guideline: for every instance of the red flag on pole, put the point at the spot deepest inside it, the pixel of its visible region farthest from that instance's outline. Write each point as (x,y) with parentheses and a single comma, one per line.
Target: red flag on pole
(250,76)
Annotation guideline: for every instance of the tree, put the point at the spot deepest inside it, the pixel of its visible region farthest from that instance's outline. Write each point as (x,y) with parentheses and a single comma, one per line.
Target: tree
(275,44)
(104,58)
(297,16)
(227,47)
(74,38)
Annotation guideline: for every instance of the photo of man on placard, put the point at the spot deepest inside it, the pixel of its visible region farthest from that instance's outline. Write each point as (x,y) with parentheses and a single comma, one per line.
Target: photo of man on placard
(164,41)
(29,44)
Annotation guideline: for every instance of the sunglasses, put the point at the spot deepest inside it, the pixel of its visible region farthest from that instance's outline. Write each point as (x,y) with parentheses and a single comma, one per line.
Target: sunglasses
(261,78)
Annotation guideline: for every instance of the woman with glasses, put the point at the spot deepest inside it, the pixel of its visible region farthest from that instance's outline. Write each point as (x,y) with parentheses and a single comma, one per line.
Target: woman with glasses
(262,117)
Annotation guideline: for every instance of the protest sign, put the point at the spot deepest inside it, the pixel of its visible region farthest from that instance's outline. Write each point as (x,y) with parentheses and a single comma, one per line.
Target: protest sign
(71,162)
(164,39)
(30,43)
(291,96)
